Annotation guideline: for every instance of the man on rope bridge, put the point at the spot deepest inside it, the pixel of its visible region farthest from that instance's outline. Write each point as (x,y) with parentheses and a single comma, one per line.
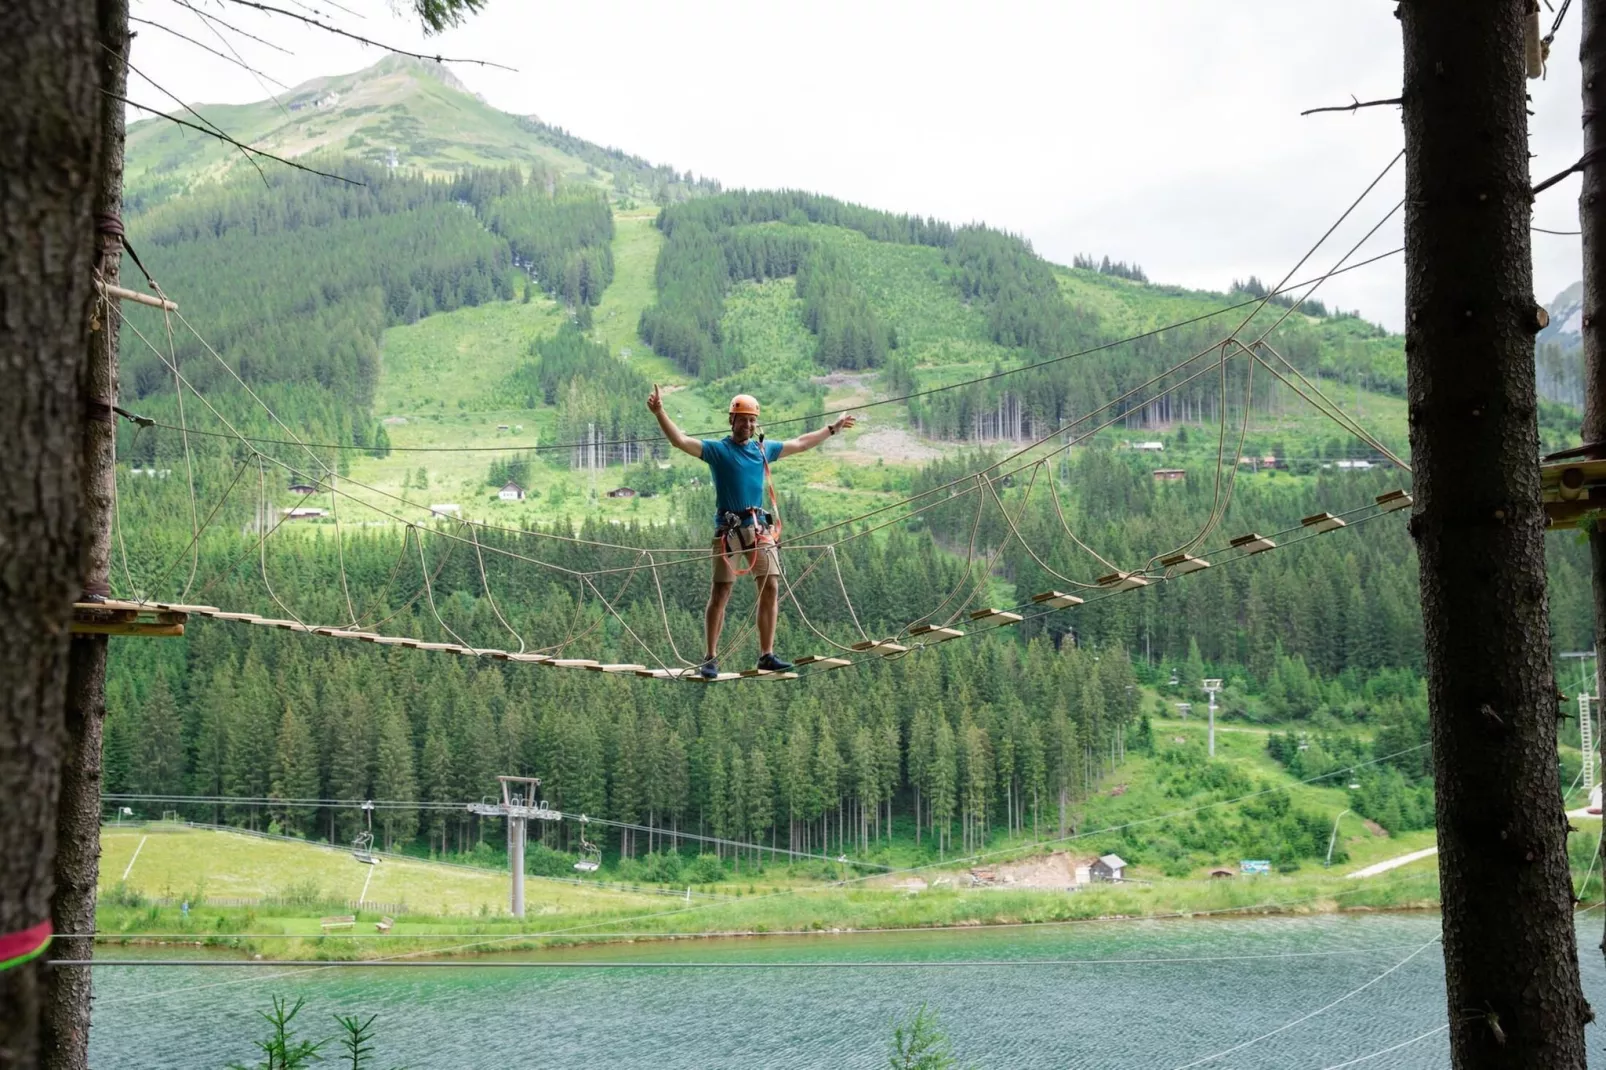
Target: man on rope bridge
(743,528)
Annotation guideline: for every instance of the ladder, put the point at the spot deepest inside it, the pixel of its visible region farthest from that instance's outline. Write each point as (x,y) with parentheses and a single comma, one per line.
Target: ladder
(1586,733)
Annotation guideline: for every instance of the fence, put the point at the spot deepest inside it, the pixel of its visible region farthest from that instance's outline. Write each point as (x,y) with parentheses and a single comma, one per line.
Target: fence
(351,905)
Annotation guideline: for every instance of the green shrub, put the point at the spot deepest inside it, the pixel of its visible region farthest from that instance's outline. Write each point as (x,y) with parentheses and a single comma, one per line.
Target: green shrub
(707,869)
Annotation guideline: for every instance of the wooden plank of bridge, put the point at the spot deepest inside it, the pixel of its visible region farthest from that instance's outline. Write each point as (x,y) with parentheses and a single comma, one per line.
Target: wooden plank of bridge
(148,629)
(125,618)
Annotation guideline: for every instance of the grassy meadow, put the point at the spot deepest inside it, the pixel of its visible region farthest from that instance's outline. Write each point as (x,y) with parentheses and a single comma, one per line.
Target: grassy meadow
(453,906)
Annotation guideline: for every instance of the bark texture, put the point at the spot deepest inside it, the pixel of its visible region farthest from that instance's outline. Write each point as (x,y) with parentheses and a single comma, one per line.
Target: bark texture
(1592,224)
(49,116)
(67,1002)
(1511,961)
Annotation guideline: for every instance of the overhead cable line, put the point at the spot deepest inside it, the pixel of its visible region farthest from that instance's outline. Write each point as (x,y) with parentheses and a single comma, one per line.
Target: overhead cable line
(1357,990)
(1384,1051)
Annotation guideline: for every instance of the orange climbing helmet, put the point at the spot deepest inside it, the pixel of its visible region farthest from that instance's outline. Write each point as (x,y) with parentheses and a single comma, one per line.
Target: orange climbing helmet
(744,405)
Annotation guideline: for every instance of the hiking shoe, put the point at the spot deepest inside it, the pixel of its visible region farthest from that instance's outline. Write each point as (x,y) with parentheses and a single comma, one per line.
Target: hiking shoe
(709,670)
(771,663)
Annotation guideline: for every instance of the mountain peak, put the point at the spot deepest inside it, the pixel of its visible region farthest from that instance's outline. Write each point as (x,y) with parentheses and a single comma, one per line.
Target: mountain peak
(1566,319)
(391,79)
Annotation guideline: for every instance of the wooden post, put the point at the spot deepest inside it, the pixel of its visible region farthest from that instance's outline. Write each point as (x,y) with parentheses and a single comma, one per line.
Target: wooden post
(77,868)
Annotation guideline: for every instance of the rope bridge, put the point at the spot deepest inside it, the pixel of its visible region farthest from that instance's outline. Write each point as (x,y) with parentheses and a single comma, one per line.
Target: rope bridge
(960,613)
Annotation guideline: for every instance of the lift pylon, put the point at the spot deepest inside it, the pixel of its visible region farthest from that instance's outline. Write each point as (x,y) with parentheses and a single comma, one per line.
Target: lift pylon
(521,803)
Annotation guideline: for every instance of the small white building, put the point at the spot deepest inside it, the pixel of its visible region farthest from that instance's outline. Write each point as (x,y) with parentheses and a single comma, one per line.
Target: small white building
(1107,868)
(511,492)
(446,509)
(1149,447)
(1355,466)
(302,513)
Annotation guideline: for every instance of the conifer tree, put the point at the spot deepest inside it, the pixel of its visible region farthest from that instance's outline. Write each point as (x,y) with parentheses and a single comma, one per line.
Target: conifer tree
(117,750)
(158,768)
(350,761)
(393,777)
(795,778)
(760,796)
(944,781)
(250,744)
(826,777)
(922,744)
(625,796)
(214,711)
(435,781)
(295,772)
(865,779)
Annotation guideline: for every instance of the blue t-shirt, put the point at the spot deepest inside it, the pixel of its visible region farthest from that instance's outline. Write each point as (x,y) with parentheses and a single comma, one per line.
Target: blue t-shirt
(738,473)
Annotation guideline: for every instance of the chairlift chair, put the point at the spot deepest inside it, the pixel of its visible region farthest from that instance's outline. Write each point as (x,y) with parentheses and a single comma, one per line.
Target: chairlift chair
(362,848)
(593,854)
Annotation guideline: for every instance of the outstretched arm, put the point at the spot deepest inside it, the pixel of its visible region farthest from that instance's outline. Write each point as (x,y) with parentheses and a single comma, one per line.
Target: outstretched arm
(677,438)
(814,438)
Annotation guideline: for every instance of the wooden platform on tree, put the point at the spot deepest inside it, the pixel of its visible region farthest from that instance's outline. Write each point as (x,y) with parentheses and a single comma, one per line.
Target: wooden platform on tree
(127,618)
(1572,489)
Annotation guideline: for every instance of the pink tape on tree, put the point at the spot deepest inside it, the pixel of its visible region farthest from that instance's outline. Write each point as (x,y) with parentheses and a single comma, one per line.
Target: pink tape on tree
(19,947)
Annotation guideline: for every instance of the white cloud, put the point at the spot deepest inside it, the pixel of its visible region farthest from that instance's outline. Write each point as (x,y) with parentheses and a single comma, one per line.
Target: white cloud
(1159,131)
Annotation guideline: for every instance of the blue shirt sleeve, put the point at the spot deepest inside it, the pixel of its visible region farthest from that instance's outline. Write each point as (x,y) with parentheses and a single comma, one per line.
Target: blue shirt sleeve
(772,450)
(712,448)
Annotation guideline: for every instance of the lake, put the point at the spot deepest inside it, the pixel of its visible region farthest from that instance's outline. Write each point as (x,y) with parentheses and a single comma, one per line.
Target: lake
(1116,1006)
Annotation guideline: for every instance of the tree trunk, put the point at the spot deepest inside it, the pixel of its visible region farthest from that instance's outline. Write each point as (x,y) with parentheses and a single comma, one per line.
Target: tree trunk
(1511,964)
(66,1034)
(1592,223)
(49,118)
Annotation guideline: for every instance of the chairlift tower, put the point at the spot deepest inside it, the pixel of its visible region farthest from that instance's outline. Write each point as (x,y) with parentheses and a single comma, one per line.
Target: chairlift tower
(521,803)
(1212,688)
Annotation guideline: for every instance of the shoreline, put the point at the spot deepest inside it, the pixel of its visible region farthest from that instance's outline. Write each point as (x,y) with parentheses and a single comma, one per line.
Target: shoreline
(355,948)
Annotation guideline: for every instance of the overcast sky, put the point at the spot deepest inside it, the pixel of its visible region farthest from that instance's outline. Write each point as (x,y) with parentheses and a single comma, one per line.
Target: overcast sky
(1165,132)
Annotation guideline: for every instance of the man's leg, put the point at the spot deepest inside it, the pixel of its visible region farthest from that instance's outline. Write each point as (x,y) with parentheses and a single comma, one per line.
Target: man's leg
(714,616)
(769,611)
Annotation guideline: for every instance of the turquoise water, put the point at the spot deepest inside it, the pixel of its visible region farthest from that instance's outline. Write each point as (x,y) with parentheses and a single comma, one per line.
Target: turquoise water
(1244,977)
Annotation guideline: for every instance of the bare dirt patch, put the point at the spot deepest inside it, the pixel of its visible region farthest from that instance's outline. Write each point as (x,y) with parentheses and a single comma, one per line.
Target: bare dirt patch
(835,380)
(894,444)
(1055,870)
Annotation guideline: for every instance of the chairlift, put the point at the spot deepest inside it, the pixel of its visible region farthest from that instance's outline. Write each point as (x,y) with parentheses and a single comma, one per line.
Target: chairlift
(593,854)
(362,848)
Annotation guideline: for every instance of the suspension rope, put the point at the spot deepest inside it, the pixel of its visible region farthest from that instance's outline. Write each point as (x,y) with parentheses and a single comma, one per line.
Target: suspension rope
(189,468)
(1357,990)
(262,549)
(340,553)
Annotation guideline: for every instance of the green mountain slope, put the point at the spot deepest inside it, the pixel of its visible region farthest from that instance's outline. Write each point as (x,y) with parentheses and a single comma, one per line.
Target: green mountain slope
(400,112)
